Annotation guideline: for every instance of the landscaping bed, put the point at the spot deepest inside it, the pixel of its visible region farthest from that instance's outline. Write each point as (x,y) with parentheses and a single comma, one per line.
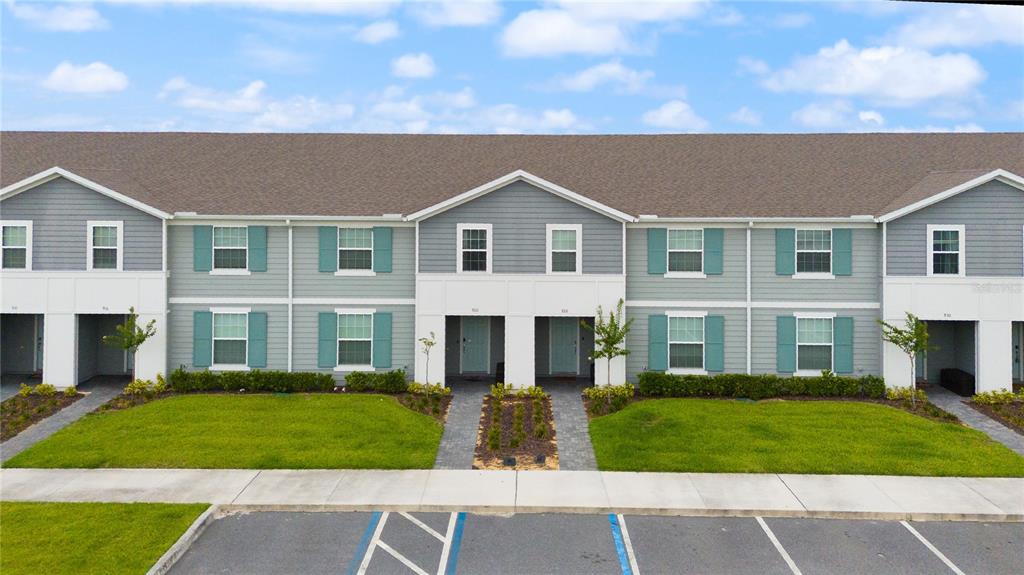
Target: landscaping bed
(1006,408)
(19,412)
(517,425)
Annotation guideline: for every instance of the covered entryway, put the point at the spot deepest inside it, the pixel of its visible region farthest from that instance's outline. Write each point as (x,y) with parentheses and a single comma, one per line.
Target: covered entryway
(96,358)
(562,350)
(952,363)
(475,348)
(21,350)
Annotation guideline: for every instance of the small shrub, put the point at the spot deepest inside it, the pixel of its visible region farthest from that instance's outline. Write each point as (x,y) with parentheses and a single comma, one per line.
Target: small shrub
(160,385)
(518,431)
(45,390)
(658,384)
(540,430)
(905,394)
(997,397)
(183,381)
(499,391)
(435,390)
(70,391)
(139,387)
(531,392)
(380,382)
(494,438)
(24,390)
(608,398)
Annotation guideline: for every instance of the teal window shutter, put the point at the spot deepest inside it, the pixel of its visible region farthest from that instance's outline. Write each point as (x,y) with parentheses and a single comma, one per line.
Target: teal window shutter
(202,248)
(657,342)
(327,340)
(382,339)
(202,338)
(657,250)
(785,344)
(382,250)
(257,339)
(713,240)
(257,248)
(785,251)
(842,338)
(842,252)
(328,249)
(714,343)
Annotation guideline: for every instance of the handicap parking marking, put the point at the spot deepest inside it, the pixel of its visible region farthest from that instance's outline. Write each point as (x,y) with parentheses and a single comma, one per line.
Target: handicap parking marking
(933,549)
(453,541)
(778,546)
(623,546)
(372,540)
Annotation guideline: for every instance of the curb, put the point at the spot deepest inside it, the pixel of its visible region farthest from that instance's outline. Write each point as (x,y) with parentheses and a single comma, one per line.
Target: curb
(171,556)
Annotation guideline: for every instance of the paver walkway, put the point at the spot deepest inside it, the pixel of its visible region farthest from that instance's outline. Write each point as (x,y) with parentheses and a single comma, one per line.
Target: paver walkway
(575,453)
(458,443)
(99,391)
(954,404)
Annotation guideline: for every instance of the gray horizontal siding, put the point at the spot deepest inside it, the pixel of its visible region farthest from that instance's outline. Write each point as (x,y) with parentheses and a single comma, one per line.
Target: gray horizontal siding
(305,332)
(310,282)
(184,282)
(866,339)
(519,213)
(179,329)
(993,216)
(60,210)
(863,285)
(731,285)
(735,339)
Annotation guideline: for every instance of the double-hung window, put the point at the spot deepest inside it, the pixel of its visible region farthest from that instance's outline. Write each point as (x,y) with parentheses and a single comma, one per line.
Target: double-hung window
(685,251)
(813,344)
(814,251)
(686,343)
(230,247)
(16,245)
(946,250)
(230,338)
(355,339)
(355,249)
(475,244)
(105,245)
(564,254)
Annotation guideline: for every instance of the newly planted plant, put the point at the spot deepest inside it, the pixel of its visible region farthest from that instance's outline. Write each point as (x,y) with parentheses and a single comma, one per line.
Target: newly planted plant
(912,339)
(609,337)
(129,336)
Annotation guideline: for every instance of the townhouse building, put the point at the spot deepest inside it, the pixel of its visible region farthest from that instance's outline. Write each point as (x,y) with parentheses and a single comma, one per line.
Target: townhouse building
(338,252)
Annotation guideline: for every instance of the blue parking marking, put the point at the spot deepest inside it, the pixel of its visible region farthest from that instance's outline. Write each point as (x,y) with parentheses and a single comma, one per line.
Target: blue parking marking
(620,546)
(364,544)
(453,553)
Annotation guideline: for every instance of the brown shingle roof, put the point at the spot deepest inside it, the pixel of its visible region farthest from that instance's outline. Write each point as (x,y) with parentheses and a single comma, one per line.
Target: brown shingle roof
(783,175)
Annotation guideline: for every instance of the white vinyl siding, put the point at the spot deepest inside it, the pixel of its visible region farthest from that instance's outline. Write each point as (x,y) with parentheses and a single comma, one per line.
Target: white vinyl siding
(230,339)
(355,339)
(686,344)
(813,344)
(813,251)
(230,248)
(16,245)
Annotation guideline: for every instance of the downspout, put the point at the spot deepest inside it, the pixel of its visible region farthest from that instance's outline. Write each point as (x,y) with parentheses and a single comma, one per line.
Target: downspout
(167,297)
(750,225)
(288,223)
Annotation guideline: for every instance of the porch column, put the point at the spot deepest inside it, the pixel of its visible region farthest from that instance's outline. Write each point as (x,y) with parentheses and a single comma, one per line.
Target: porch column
(994,355)
(151,358)
(519,350)
(424,325)
(895,365)
(60,349)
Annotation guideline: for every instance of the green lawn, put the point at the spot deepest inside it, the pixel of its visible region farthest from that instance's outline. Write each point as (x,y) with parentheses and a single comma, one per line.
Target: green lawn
(79,538)
(297,431)
(829,437)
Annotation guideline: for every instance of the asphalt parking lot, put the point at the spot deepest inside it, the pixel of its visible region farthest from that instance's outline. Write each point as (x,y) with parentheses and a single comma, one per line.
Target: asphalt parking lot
(402,543)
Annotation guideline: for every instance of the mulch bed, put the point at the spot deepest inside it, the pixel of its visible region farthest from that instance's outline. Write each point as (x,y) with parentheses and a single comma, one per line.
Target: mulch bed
(1009,414)
(17,413)
(530,447)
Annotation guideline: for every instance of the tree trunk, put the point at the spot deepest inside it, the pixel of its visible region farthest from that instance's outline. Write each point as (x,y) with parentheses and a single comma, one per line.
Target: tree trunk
(913,382)
(608,372)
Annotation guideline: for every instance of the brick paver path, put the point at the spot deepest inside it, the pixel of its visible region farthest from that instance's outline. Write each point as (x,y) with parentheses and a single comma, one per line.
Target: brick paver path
(458,442)
(575,453)
(954,404)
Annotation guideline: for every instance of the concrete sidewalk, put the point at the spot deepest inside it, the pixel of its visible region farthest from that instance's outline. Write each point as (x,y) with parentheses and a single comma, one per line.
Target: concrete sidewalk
(769,495)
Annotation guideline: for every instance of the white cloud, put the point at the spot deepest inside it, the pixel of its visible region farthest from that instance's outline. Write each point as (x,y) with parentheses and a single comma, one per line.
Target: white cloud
(824,115)
(377,32)
(245,100)
(59,18)
(871,117)
(746,116)
(793,20)
(274,58)
(419,65)
(610,72)
(456,12)
(958,128)
(753,66)
(725,16)
(963,26)
(887,74)
(675,115)
(660,11)
(554,32)
(94,78)
(372,8)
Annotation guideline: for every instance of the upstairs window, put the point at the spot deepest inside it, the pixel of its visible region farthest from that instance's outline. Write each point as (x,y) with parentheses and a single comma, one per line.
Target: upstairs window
(355,248)
(814,251)
(813,344)
(474,247)
(230,338)
(946,250)
(230,248)
(16,245)
(686,251)
(105,240)
(564,248)
(355,339)
(686,343)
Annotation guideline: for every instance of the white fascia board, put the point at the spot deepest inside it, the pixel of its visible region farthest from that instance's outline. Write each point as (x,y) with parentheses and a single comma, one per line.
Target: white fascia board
(520,176)
(58,172)
(1001,175)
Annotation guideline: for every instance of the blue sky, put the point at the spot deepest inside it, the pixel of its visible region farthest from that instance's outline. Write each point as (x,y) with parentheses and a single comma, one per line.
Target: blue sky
(525,67)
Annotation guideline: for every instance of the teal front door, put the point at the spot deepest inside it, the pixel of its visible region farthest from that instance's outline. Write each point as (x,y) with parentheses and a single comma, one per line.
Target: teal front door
(476,344)
(564,342)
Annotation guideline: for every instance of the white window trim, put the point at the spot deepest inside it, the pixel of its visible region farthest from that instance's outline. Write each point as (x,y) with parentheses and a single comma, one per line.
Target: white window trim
(490,246)
(214,270)
(578,228)
(961,260)
(244,366)
(90,225)
(797,274)
(815,315)
(668,346)
(27,224)
(352,367)
(337,259)
(703,253)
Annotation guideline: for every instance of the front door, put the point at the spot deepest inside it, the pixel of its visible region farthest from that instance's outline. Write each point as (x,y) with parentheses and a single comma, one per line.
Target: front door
(564,342)
(476,344)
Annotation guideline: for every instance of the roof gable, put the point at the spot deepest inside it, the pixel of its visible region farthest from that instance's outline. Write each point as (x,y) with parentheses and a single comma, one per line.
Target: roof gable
(939,186)
(55,172)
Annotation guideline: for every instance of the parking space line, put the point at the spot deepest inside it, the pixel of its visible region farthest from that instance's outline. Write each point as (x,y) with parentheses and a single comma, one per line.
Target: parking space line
(364,543)
(620,546)
(778,546)
(373,544)
(401,558)
(423,526)
(451,549)
(629,545)
(932,548)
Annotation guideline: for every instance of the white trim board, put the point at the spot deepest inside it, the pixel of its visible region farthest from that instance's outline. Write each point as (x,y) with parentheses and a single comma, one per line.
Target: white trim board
(284,300)
(740,304)
(1001,175)
(58,172)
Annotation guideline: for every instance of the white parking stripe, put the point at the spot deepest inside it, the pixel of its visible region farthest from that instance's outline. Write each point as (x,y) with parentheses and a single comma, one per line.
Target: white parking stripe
(932,548)
(779,547)
(422,526)
(401,558)
(628,544)
(373,544)
(447,549)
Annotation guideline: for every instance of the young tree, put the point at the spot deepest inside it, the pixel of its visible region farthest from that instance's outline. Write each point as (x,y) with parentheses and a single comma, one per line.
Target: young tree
(129,336)
(912,339)
(428,343)
(609,337)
